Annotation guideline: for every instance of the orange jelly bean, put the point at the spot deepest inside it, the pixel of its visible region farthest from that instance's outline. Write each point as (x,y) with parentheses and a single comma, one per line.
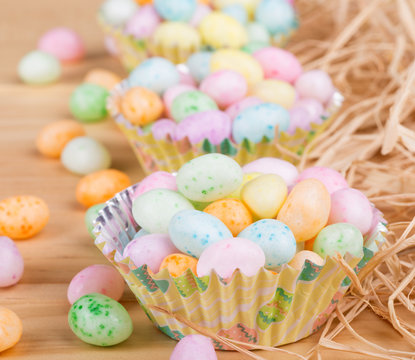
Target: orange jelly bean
(308,245)
(232,212)
(177,264)
(10,329)
(102,77)
(101,186)
(22,217)
(141,106)
(54,136)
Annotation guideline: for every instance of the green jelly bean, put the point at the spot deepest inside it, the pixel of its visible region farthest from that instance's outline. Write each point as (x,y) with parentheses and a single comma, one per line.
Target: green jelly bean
(341,238)
(99,320)
(90,215)
(251,47)
(88,103)
(191,102)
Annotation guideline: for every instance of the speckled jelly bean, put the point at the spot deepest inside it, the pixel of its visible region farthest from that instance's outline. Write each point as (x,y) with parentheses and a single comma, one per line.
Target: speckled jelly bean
(102,77)
(10,329)
(351,206)
(257,33)
(156,74)
(278,16)
(90,216)
(339,238)
(179,10)
(11,262)
(209,177)
(315,84)
(88,103)
(39,68)
(331,178)
(274,91)
(171,93)
(232,212)
(117,12)
(154,209)
(259,121)
(306,209)
(234,110)
(192,231)
(178,264)
(164,128)
(156,180)
(194,347)
(189,103)
(225,87)
(264,195)
(143,23)
(102,279)
(99,320)
(297,262)
(199,65)
(22,217)
(275,239)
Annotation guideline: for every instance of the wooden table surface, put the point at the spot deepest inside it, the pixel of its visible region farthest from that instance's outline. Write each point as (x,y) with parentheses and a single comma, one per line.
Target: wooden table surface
(63,248)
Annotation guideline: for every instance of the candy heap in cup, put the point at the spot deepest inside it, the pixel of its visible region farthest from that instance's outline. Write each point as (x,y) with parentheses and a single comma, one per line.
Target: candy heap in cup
(176,28)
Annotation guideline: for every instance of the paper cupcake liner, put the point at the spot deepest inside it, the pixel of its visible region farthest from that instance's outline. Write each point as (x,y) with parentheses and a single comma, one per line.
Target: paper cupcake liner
(267,309)
(164,155)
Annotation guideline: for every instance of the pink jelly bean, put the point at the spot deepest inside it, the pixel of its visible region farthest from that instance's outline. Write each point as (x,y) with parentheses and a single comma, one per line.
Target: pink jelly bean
(63,43)
(171,93)
(299,118)
(279,64)
(313,107)
(143,23)
(102,279)
(214,125)
(225,87)
(225,256)
(237,107)
(185,76)
(199,14)
(150,249)
(351,206)
(163,127)
(156,180)
(331,178)
(315,84)
(11,262)
(193,347)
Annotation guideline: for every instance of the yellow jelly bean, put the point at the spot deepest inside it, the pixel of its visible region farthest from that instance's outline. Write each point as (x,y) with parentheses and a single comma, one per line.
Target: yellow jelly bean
(264,195)
(274,91)
(247,178)
(10,328)
(232,212)
(215,25)
(299,259)
(306,210)
(239,61)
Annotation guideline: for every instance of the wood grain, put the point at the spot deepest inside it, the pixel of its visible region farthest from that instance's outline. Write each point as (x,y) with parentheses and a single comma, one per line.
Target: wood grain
(64,247)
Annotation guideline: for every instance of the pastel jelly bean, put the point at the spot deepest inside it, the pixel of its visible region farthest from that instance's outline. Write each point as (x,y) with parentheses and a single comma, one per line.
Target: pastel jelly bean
(258,122)
(52,139)
(102,279)
(339,238)
(186,77)
(11,263)
(154,209)
(100,186)
(331,178)
(297,262)
(88,103)
(213,125)
(10,329)
(279,64)
(237,11)
(314,108)
(264,195)
(232,212)
(199,65)
(178,264)
(194,346)
(149,250)
(201,11)
(275,239)
(234,110)
(352,207)
(22,217)
(225,87)
(141,106)
(209,177)
(156,180)
(274,91)
(99,320)
(299,119)
(90,216)
(173,92)
(63,43)
(101,77)
(143,23)
(253,47)
(213,27)
(245,179)
(227,255)
(164,128)
(278,16)
(84,155)
(306,210)
(179,10)
(192,231)
(189,103)
(117,12)
(315,84)
(39,68)
(268,165)
(156,74)
(249,5)
(239,61)
(257,33)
